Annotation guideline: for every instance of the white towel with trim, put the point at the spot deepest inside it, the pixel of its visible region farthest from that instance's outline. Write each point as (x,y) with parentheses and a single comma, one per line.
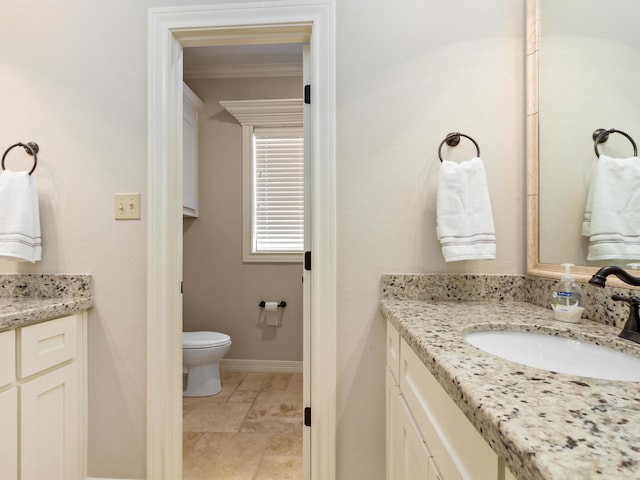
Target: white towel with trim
(612,213)
(464,217)
(19,217)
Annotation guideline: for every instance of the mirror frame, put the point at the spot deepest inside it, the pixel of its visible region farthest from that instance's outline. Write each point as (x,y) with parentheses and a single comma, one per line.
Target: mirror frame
(534,267)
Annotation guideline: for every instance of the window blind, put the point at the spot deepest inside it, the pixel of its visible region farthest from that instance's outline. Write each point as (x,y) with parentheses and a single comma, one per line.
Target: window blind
(278,206)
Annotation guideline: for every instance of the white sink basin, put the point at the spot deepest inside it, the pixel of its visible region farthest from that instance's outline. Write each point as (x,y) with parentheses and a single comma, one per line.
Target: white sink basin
(557,354)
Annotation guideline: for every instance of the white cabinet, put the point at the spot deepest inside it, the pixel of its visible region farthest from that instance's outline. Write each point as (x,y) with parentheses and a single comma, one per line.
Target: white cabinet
(42,405)
(7,357)
(408,456)
(190,106)
(428,436)
(49,426)
(9,433)
(8,406)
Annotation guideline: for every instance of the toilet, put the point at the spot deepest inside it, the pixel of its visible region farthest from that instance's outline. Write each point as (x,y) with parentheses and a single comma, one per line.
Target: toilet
(201,355)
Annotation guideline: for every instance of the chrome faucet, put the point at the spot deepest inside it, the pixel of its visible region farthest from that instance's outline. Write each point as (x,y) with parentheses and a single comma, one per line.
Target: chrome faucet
(631,329)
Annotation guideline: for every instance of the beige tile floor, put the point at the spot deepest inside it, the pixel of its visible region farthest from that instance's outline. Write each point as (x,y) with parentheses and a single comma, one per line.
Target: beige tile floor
(251,430)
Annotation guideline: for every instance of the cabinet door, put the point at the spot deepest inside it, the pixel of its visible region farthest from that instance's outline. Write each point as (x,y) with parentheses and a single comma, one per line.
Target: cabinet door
(412,457)
(191,104)
(190,165)
(457,447)
(9,434)
(50,426)
(392,427)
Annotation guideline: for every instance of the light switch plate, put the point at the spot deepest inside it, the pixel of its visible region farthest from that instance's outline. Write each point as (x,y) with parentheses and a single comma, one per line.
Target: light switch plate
(127,206)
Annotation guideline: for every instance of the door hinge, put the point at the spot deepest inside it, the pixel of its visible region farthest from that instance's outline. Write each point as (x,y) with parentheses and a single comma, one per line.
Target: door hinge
(307,260)
(307,416)
(307,94)
(181,287)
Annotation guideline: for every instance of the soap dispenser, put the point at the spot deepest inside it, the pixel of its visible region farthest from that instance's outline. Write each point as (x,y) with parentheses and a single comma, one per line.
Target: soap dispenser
(566,299)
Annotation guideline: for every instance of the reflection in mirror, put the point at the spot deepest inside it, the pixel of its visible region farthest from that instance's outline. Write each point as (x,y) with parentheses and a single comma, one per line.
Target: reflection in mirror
(587,79)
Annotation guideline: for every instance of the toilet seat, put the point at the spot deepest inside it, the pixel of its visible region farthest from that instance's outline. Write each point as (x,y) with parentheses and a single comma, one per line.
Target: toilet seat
(194,340)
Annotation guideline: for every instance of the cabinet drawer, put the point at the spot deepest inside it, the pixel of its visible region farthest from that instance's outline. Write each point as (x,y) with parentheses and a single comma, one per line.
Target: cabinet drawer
(457,447)
(393,350)
(47,344)
(7,357)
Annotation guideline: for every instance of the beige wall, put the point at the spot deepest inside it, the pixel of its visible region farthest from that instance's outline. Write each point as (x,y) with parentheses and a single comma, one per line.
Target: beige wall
(220,292)
(73,79)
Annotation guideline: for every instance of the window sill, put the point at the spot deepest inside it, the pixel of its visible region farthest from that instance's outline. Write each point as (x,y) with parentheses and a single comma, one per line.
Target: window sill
(273,258)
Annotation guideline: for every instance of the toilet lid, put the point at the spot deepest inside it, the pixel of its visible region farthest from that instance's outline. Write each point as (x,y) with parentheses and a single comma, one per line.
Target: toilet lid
(204,339)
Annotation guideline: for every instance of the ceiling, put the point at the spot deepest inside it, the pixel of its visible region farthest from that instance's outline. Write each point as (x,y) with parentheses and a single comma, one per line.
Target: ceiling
(243,61)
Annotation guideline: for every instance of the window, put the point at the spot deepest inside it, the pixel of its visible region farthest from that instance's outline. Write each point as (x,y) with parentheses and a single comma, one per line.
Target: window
(273,178)
(278,191)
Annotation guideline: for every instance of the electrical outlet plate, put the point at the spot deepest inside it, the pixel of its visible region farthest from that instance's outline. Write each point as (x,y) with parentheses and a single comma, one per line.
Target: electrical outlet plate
(127,206)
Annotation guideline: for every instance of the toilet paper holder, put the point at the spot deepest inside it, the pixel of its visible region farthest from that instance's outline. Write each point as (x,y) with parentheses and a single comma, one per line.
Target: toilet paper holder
(280,304)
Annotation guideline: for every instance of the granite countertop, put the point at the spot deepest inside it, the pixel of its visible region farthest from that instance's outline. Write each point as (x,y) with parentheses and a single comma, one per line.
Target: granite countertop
(32,298)
(19,312)
(546,425)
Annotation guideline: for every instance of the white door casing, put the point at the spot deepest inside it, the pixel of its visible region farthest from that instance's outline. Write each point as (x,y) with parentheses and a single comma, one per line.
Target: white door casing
(171,29)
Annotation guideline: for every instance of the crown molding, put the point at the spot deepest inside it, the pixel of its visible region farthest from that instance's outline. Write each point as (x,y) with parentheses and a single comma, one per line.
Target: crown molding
(244,71)
(265,113)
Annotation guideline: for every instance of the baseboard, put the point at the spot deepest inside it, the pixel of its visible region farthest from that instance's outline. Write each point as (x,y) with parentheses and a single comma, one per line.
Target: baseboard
(269,366)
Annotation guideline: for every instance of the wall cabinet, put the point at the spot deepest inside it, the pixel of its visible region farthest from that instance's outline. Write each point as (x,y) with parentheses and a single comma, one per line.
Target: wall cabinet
(42,405)
(428,436)
(191,105)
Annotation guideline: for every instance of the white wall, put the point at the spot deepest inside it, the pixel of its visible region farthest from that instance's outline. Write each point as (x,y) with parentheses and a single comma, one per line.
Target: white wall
(73,79)
(406,76)
(220,292)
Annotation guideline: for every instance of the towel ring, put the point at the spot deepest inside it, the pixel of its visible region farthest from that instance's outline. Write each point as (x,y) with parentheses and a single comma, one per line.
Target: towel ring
(453,139)
(30,147)
(601,135)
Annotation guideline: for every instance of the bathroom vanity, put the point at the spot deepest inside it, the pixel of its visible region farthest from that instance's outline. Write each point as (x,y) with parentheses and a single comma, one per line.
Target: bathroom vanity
(454,411)
(428,436)
(43,343)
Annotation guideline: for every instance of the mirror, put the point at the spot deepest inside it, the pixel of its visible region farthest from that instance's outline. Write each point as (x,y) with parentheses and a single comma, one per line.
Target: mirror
(582,76)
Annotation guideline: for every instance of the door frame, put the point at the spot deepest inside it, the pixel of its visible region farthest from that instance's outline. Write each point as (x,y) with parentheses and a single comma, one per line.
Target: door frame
(171,29)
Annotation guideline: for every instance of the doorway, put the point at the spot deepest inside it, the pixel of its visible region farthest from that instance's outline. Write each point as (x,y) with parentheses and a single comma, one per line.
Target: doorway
(170,30)
(253,427)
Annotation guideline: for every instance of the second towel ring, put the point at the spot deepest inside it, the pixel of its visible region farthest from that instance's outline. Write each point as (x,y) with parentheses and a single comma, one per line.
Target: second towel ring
(601,135)
(453,139)
(30,147)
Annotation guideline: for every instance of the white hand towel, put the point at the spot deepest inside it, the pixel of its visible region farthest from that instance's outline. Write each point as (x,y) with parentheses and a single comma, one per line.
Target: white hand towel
(19,217)
(612,214)
(464,218)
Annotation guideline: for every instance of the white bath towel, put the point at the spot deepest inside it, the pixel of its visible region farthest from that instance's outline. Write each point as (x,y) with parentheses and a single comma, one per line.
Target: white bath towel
(612,213)
(464,218)
(19,217)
